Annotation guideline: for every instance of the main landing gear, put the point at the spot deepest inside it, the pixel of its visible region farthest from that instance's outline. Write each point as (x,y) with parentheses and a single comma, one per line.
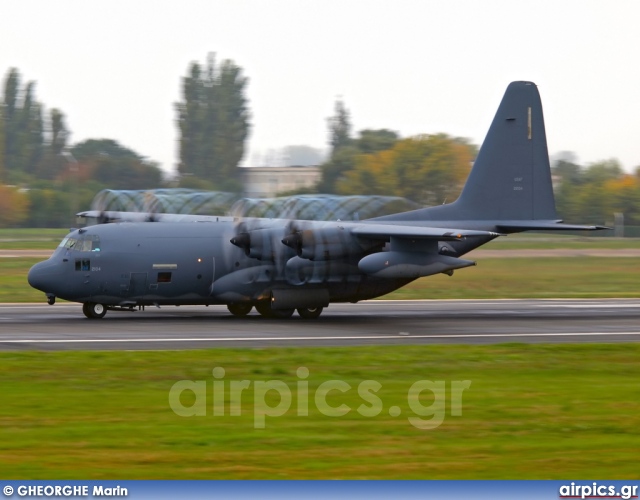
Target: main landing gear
(265,309)
(94,311)
(240,309)
(310,312)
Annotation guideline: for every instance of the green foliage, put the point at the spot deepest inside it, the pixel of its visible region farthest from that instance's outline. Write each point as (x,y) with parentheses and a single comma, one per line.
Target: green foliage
(116,166)
(213,120)
(339,128)
(54,162)
(333,170)
(374,141)
(346,151)
(14,206)
(428,169)
(23,125)
(92,148)
(49,207)
(595,193)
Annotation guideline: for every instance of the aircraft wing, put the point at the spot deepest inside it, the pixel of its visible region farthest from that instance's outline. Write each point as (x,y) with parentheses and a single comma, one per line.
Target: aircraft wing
(387,231)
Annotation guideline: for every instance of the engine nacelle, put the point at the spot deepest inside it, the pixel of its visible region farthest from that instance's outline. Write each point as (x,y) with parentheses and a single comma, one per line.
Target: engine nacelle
(257,244)
(323,243)
(409,264)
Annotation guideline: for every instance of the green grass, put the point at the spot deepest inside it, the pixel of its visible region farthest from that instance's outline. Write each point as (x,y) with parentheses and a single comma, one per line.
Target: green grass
(13,281)
(33,233)
(31,239)
(577,277)
(546,242)
(532,411)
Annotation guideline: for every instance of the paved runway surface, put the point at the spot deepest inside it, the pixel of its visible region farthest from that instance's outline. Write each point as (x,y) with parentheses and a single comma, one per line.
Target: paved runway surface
(63,327)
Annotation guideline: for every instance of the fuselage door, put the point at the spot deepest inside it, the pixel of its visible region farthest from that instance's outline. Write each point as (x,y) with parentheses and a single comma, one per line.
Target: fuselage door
(137,285)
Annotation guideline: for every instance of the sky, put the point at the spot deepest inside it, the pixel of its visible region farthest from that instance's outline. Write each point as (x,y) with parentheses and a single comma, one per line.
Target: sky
(114,67)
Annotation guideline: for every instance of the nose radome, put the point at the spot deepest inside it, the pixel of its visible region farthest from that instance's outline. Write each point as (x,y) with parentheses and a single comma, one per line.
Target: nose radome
(42,276)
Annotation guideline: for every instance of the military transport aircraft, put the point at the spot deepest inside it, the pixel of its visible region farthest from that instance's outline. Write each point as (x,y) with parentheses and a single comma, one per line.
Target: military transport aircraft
(279,266)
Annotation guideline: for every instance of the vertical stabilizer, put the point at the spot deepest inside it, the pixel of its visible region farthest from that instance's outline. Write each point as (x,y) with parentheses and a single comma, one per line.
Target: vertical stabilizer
(511,177)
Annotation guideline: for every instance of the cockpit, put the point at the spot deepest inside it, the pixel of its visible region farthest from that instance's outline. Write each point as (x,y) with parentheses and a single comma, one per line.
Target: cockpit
(83,243)
(76,251)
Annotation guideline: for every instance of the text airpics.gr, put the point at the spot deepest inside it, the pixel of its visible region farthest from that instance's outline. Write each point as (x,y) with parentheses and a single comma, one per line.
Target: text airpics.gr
(371,406)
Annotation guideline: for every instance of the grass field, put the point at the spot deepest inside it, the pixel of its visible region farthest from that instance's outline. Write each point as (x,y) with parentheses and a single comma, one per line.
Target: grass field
(531,411)
(31,239)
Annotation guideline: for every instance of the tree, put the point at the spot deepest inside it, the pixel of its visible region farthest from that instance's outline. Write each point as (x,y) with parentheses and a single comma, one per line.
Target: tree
(53,160)
(23,126)
(213,119)
(11,132)
(345,149)
(566,169)
(623,196)
(373,141)
(428,169)
(14,206)
(593,194)
(116,166)
(333,170)
(31,136)
(339,128)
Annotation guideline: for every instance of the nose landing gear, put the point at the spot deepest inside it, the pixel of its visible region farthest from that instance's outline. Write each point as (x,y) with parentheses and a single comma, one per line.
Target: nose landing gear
(51,299)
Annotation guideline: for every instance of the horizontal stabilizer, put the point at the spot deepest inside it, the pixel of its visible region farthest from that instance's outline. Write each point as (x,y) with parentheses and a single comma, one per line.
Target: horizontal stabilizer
(517,226)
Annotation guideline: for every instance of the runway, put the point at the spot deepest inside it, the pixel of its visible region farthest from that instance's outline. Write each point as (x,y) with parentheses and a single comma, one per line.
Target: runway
(379,322)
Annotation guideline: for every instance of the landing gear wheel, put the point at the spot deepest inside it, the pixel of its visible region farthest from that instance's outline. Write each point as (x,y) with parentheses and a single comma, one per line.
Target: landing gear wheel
(310,312)
(240,309)
(264,308)
(94,311)
(282,313)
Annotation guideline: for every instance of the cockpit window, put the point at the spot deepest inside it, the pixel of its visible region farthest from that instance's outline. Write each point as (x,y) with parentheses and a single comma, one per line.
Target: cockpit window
(86,243)
(68,243)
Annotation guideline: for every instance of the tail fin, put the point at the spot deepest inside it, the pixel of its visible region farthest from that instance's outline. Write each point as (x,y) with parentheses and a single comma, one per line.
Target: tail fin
(511,177)
(509,188)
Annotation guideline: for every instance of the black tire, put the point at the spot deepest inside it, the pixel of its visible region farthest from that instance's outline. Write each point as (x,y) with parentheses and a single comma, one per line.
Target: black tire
(264,308)
(310,312)
(282,313)
(240,309)
(94,311)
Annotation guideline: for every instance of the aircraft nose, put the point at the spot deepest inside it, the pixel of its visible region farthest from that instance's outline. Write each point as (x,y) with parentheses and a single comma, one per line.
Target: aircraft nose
(42,276)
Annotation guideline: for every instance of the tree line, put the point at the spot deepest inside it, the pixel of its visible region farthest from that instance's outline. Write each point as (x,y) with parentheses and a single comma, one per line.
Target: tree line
(44,178)
(432,169)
